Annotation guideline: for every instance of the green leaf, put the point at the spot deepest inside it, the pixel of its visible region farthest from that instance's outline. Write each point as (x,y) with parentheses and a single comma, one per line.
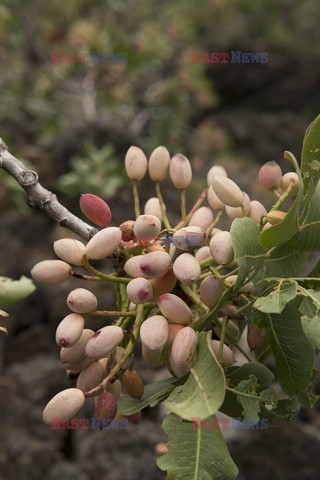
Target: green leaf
(310,157)
(308,398)
(203,392)
(247,249)
(285,411)
(154,393)
(196,454)
(249,399)
(14,290)
(293,353)
(276,301)
(285,262)
(282,232)
(311,328)
(263,375)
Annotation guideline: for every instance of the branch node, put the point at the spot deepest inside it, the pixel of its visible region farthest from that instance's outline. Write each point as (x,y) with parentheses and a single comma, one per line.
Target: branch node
(28,178)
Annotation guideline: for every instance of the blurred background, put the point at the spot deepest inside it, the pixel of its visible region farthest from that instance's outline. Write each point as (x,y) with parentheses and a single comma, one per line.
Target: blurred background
(73,122)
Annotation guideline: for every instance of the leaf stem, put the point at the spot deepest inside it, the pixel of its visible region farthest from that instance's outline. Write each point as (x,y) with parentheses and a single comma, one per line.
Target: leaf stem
(102,276)
(222,337)
(188,291)
(162,206)
(136,198)
(183,204)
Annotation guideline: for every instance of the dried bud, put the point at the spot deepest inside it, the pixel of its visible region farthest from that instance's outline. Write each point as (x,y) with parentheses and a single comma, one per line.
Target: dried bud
(51,272)
(103,243)
(159,164)
(152,207)
(189,238)
(227,354)
(69,330)
(203,253)
(155,264)
(154,332)
(104,341)
(255,337)
(221,248)
(211,289)
(227,191)
(81,300)
(257,211)
(133,384)
(203,217)
(236,212)
(216,170)
(147,226)
(139,290)
(127,230)
(183,349)
(213,200)
(174,309)
(63,405)
(270,175)
(186,268)
(136,163)
(174,328)
(132,266)
(275,216)
(69,250)
(290,178)
(106,406)
(95,209)
(164,284)
(180,171)
(76,353)
(90,377)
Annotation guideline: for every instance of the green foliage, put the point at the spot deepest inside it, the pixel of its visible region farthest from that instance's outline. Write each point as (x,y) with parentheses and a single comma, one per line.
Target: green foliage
(12,291)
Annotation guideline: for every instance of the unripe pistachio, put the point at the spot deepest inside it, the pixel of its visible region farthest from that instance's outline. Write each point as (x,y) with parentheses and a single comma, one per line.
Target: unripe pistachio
(266,226)
(64,405)
(275,216)
(154,248)
(104,341)
(95,209)
(133,384)
(115,388)
(90,377)
(136,163)
(290,178)
(106,406)
(182,351)
(203,217)
(203,253)
(154,332)
(76,368)
(118,358)
(151,357)
(132,266)
(227,354)
(236,212)
(221,248)
(214,231)
(134,418)
(248,287)
(231,328)
(180,171)
(174,309)
(103,243)
(213,200)
(69,250)
(76,353)
(227,191)
(155,264)
(81,300)
(147,226)
(216,170)
(164,284)
(127,230)
(139,290)
(257,211)
(51,272)
(174,328)
(152,207)
(255,337)
(211,289)
(69,330)
(161,449)
(186,268)
(189,238)
(159,164)
(270,175)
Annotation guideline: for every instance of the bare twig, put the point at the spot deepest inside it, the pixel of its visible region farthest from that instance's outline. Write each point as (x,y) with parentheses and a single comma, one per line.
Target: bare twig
(39,197)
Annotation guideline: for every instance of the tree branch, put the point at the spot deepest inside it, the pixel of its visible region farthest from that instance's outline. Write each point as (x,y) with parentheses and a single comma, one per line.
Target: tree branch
(39,197)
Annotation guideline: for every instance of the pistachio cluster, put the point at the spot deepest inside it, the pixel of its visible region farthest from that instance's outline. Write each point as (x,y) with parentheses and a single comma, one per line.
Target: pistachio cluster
(171,278)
